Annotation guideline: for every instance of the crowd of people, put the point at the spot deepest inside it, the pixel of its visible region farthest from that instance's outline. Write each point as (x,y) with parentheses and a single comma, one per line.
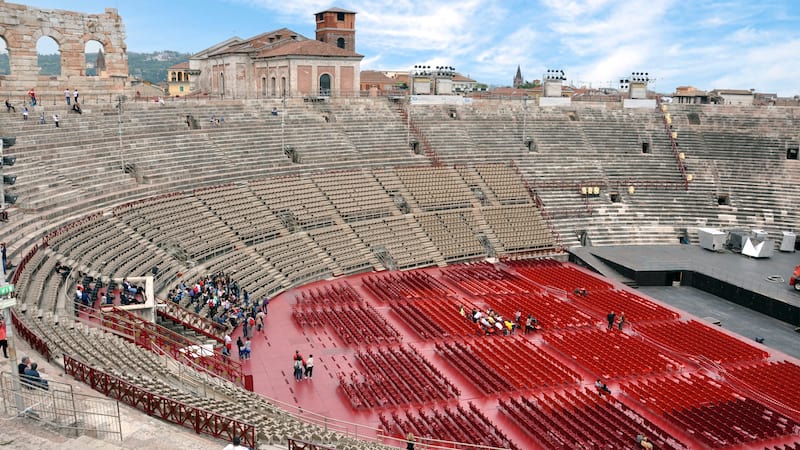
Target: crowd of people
(490,322)
(219,298)
(32,101)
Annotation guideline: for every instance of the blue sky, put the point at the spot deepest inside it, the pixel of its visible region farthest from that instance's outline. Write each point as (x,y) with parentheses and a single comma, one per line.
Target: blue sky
(708,44)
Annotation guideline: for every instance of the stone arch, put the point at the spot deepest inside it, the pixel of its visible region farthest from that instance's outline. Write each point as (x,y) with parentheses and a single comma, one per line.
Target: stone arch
(94,58)
(5,57)
(48,55)
(22,26)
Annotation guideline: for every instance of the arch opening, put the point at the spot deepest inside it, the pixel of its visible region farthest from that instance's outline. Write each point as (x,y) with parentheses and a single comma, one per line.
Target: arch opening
(5,58)
(94,59)
(48,53)
(325,84)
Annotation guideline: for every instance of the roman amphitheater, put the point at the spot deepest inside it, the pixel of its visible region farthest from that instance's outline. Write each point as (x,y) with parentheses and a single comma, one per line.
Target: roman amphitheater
(369,221)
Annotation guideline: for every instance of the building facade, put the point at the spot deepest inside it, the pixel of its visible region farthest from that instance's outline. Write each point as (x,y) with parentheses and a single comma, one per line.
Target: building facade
(283,63)
(179,78)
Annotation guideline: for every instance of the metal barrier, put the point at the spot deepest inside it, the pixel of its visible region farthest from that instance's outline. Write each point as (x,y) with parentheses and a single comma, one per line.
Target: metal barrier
(30,337)
(152,336)
(156,405)
(60,407)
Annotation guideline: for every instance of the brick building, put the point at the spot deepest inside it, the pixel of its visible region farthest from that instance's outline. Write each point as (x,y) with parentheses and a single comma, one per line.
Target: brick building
(283,62)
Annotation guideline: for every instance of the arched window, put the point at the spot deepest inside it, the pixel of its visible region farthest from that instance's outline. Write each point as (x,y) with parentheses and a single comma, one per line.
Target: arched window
(173,77)
(49,56)
(283,86)
(273,87)
(263,86)
(5,58)
(325,84)
(94,60)
(222,84)
(340,42)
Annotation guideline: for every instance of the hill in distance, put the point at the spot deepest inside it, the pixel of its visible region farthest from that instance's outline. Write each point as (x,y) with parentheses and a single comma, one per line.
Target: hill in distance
(150,67)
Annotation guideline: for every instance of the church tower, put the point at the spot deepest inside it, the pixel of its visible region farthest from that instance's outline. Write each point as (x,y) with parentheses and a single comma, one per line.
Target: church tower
(518,81)
(338,27)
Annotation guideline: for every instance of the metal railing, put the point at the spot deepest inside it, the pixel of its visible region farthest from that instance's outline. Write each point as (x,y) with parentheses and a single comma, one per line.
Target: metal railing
(153,404)
(60,407)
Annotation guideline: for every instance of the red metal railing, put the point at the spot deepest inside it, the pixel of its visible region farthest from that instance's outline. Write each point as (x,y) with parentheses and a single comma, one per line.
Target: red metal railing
(24,262)
(156,405)
(189,319)
(156,338)
(30,337)
(421,138)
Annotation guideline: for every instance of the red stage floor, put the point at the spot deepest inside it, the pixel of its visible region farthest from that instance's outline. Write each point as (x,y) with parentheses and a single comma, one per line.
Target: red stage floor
(271,363)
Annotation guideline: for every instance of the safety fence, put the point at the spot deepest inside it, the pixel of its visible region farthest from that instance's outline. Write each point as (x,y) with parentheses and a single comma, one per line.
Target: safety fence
(153,404)
(60,407)
(30,337)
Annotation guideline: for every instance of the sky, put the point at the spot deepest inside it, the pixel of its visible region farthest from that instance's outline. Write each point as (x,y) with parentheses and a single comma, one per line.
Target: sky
(730,44)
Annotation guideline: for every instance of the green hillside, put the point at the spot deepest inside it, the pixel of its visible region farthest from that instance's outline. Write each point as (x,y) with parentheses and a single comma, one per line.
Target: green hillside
(147,66)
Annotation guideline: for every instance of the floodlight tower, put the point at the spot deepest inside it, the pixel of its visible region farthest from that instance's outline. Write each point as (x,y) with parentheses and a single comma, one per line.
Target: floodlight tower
(553,79)
(636,84)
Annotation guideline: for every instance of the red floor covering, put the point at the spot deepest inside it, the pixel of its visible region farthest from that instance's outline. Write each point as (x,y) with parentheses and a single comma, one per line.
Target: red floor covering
(271,366)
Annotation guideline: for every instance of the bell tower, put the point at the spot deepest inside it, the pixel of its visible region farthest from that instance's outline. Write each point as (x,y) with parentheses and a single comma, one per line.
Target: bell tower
(337,27)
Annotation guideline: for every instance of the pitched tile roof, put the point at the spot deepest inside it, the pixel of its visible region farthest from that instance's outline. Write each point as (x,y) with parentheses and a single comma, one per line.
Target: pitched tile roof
(306,48)
(375,76)
(337,10)
(180,66)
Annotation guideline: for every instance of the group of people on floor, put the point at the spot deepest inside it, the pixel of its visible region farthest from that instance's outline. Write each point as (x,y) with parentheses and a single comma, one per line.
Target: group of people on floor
(491,322)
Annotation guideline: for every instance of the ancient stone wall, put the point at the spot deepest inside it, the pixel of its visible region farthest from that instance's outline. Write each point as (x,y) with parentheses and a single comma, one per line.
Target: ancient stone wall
(21,27)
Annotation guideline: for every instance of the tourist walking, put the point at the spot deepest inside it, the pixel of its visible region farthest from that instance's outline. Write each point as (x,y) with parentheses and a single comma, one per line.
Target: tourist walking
(309,367)
(611,316)
(66,95)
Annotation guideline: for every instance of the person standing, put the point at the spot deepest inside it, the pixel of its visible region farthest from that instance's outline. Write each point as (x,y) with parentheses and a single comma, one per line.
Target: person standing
(309,367)
(410,441)
(247,349)
(228,342)
(3,337)
(55,119)
(66,95)
(4,256)
(298,370)
(260,321)
(621,320)
(611,316)
(240,346)
(75,95)
(24,113)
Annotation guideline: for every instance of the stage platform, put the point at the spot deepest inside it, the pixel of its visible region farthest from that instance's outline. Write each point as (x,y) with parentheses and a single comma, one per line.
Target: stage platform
(761,284)
(567,318)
